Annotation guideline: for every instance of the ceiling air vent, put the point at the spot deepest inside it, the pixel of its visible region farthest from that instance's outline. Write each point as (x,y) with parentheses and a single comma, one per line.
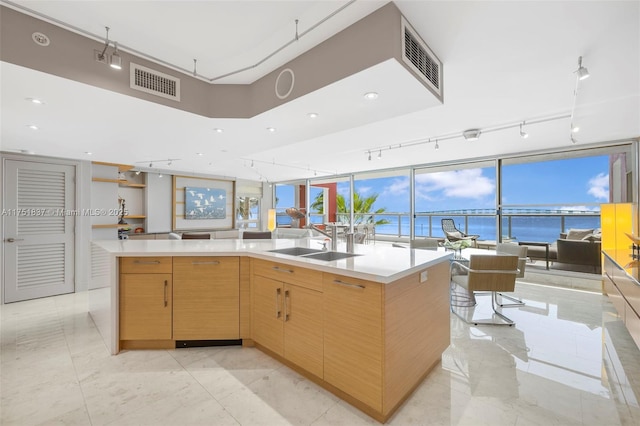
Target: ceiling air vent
(154,82)
(420,58)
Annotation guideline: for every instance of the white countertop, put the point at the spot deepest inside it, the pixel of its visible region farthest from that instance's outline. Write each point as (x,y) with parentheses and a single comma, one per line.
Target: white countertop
(374,263)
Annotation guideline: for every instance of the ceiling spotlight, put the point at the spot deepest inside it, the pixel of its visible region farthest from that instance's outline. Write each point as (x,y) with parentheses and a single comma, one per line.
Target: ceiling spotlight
(471,134)
(437,147)
(218,130)
(137,172)
(271,129)
(32,126)
(88,153)
(150,165)
(369,155)
(27,151)
(35,101)
(380,155)
(116,60)
(582,72)
(575,128)
(169,163)
(523,134)
(371,96)
(252,165)
(313,115)
(573,140)
(160,175)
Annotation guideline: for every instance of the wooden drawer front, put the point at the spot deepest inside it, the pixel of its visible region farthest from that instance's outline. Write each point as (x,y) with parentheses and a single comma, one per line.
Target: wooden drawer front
(353,337)
(206,298)
(303,277)
(145,265)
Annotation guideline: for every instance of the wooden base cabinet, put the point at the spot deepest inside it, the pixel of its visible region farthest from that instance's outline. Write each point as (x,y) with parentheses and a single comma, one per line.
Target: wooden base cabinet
(145,299)
(287,318)
(206,298)
(353,337)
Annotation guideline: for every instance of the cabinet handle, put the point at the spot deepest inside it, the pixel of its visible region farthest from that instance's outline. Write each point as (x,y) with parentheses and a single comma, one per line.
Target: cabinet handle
(213,262)
(286,309)
(277,268)
(349,284)
(277,303)
(146,262)
(166,286)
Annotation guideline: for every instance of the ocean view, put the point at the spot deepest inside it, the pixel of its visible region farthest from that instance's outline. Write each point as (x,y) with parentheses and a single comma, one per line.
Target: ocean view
(523,228)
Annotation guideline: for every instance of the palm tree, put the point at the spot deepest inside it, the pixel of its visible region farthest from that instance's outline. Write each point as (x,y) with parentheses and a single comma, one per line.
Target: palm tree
(362,207)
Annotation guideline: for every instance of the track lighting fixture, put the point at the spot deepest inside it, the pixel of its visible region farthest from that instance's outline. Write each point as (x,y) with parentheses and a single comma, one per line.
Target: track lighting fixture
(472,134)
(436,147)
(380,155)
(581,72)
(116,60)
(573,140)
(523,134)
(137,172)
(369,155)
(150,165)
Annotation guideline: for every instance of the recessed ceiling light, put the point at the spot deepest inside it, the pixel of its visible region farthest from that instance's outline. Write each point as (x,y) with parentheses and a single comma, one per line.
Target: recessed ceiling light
(313,115)
(218,130)
(32,126)
(271,129)
(88,153)
(575,129)
(35,101)
(371,96)
(199,154)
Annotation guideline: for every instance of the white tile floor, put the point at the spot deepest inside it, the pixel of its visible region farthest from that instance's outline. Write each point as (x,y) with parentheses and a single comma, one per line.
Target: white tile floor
(568,361)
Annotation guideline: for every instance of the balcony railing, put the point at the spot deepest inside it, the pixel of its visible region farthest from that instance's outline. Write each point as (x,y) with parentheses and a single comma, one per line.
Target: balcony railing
(518,224)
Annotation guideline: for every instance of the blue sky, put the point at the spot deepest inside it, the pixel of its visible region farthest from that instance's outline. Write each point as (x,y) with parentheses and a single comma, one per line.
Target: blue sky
(577,182)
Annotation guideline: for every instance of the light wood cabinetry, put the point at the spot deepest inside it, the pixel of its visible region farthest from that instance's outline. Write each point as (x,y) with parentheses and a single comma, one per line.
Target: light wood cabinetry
(266,313)
(287,317)
(206,298)
(353,337)
(145,299)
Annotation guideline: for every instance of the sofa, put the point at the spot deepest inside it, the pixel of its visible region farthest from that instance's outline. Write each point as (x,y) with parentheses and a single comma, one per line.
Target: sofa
(576,250)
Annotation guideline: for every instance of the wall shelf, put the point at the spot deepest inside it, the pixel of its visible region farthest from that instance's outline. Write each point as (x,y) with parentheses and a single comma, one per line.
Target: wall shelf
(118,181)
(135,216)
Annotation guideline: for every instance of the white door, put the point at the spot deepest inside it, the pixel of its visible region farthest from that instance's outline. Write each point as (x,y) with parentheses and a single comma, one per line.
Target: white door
(39,225)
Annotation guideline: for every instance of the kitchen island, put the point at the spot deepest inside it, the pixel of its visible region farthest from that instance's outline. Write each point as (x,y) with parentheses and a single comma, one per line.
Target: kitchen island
(368,328)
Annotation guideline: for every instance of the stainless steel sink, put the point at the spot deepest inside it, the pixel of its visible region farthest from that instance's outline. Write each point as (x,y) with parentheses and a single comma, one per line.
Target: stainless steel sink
(330,255)
(296,251)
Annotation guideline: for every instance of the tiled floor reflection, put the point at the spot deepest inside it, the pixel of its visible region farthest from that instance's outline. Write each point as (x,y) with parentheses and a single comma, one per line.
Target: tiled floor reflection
(567,361)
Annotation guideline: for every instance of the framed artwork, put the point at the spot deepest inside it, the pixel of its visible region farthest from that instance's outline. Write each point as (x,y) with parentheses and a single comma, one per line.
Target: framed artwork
(202,203)
(205,203)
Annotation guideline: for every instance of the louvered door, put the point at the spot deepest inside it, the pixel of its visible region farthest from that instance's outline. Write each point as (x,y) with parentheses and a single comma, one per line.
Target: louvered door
(39,224)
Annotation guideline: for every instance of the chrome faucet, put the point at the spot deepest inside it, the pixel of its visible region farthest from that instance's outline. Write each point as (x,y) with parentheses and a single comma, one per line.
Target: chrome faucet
(333,236)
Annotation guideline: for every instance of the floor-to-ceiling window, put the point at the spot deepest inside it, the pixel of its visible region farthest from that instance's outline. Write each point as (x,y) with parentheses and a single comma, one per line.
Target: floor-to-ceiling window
(464,192)
(545,195)
(382,199)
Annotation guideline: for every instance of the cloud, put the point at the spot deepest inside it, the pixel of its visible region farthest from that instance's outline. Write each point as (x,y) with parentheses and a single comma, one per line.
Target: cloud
(397,187)
(363,190)
(578,208)
(467,183)
(599,186)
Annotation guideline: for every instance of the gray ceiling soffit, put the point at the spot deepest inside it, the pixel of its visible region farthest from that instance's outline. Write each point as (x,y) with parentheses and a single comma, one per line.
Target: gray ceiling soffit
(371,41)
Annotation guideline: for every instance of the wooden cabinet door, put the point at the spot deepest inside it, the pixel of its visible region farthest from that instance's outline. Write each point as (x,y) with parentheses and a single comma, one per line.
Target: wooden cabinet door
(353,337)
(145,306)
(206,298)
(303,337)
(267,313)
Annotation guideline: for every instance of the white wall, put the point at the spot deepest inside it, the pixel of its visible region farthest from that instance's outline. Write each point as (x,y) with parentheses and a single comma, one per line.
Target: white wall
(158,203)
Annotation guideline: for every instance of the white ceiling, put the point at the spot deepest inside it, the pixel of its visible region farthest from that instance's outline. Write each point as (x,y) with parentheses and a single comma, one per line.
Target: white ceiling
(503,63)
